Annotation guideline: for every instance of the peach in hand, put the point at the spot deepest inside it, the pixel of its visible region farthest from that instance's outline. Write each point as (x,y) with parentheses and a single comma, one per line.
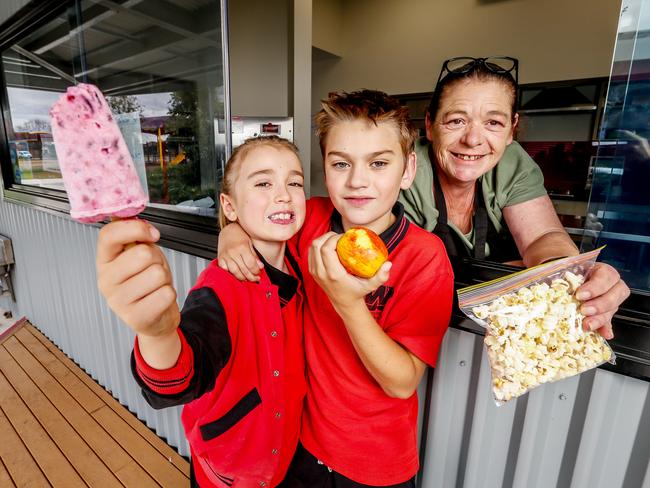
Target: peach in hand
(361,252)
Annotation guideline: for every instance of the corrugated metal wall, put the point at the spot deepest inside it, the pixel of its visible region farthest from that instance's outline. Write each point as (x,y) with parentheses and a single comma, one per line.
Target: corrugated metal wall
(55,285)
(592,431)
(587,431)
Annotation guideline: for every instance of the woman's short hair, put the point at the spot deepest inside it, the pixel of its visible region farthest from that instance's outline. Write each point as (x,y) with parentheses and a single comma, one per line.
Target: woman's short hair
(369,105)
(475,71)
(238,154)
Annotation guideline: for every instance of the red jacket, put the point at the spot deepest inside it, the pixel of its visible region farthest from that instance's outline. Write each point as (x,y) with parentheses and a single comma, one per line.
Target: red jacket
(240,375)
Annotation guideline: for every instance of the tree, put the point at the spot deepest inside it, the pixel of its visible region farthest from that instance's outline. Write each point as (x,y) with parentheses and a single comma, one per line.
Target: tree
(35,125)
(183,113)
(124,104)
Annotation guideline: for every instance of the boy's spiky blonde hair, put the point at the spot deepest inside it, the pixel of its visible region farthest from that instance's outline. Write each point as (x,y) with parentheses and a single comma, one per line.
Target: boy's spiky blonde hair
(370,105)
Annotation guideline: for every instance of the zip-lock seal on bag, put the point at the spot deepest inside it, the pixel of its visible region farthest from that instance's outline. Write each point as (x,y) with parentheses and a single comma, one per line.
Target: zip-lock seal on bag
(534,332)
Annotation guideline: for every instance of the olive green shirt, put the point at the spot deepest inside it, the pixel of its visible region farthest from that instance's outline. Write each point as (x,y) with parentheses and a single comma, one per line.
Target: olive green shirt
(515,179)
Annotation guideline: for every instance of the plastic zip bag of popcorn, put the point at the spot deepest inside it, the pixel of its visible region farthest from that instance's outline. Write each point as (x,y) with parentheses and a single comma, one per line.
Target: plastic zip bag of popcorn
(534,332)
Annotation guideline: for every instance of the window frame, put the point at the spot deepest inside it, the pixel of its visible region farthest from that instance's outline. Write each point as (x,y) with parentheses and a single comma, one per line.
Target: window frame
(189,233)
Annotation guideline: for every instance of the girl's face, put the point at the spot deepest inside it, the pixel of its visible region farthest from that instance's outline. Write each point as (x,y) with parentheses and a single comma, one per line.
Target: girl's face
(267,199)
(472,128)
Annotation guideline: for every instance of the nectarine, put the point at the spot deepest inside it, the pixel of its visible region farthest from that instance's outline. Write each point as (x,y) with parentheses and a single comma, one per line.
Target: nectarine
(361,252)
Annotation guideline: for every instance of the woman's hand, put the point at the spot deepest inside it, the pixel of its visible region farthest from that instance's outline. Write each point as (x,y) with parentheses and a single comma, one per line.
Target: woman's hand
(236,254)
(342,288)
(135,279)
(601,294)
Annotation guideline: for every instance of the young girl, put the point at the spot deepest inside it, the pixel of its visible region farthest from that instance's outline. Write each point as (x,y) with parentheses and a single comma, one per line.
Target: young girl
(234,355)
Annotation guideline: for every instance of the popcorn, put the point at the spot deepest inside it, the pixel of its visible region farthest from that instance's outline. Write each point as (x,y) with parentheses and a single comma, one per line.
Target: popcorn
(535,336)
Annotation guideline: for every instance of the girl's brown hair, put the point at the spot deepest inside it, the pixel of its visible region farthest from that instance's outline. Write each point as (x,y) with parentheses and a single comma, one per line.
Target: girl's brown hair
(238,154)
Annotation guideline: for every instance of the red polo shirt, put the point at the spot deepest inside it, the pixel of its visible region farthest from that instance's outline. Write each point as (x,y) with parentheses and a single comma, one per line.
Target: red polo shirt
(349,422)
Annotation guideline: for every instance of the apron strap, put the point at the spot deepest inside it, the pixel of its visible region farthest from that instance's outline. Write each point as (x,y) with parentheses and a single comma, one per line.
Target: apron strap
(442,230)
(480,224)
(479,221)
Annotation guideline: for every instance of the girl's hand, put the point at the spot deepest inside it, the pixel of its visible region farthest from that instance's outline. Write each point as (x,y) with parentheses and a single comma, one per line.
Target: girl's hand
(136,280)
(601,294)
(236,254)
(342,288)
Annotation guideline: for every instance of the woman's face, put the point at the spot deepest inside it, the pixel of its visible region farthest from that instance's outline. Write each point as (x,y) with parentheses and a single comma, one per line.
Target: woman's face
(472,128)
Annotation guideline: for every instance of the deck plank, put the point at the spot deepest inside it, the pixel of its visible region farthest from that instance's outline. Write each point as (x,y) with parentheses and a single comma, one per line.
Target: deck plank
(5,479)
(79,454)
(21,434)
(104,446)
(59,428)
(168,452)
(71,382)
(163,471)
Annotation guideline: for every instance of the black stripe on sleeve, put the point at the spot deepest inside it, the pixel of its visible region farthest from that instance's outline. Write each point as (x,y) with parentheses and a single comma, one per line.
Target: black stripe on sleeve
(204,325)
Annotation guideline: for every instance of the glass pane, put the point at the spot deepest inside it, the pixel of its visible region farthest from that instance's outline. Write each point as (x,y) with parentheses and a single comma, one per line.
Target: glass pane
(574,126)
(619,208)
(159,65)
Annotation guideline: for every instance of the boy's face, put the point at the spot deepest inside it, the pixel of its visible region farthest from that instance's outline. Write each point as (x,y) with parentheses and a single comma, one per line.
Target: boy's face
(365,169)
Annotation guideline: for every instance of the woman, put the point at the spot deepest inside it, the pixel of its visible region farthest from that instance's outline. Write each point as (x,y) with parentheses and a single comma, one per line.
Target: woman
(482,194)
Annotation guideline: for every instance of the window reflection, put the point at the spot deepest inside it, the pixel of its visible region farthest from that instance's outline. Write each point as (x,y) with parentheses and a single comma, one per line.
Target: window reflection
(160,68)
(619,207)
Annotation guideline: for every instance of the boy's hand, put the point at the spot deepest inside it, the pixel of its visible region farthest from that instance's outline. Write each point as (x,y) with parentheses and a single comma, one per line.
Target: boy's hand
(342,288)
(236,254)
(136,281)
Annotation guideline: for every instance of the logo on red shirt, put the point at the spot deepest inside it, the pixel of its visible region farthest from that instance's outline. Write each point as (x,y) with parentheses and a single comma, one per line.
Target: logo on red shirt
(376,301)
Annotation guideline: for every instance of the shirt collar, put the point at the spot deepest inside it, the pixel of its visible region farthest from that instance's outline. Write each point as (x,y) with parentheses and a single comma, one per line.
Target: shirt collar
(391,236)
(286,283)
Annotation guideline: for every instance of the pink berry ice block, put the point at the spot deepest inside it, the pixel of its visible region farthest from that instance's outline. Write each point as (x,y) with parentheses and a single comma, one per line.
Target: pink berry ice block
(97,169)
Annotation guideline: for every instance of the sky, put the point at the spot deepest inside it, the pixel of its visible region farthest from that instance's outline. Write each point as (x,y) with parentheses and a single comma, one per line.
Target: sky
(29,104)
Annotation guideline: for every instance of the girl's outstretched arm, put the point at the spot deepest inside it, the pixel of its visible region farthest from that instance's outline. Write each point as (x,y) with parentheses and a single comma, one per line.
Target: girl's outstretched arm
(137,284)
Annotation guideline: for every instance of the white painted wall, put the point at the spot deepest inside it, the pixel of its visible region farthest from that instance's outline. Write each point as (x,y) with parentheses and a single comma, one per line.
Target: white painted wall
(260,57)
(10,7)
(327,26)
(398,45)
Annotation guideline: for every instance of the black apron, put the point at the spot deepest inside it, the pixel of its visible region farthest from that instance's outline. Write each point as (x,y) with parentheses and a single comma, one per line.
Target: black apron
(502,245)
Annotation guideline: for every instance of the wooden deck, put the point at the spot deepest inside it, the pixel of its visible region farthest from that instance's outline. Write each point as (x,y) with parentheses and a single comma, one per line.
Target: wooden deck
(59,428)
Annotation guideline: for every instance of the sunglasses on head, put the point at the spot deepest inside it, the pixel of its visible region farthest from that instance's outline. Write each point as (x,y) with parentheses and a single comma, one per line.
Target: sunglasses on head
(500,65)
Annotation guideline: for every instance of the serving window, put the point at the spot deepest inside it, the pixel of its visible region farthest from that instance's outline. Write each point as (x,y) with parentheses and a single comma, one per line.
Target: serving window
(162,66)
(162,73)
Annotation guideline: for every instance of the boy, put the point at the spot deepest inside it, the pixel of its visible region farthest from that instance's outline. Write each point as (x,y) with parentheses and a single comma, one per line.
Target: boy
(367,341)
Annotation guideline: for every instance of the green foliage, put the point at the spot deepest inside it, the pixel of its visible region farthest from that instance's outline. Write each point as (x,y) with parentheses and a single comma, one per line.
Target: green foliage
(124,104)
(183,125)
(183,180)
